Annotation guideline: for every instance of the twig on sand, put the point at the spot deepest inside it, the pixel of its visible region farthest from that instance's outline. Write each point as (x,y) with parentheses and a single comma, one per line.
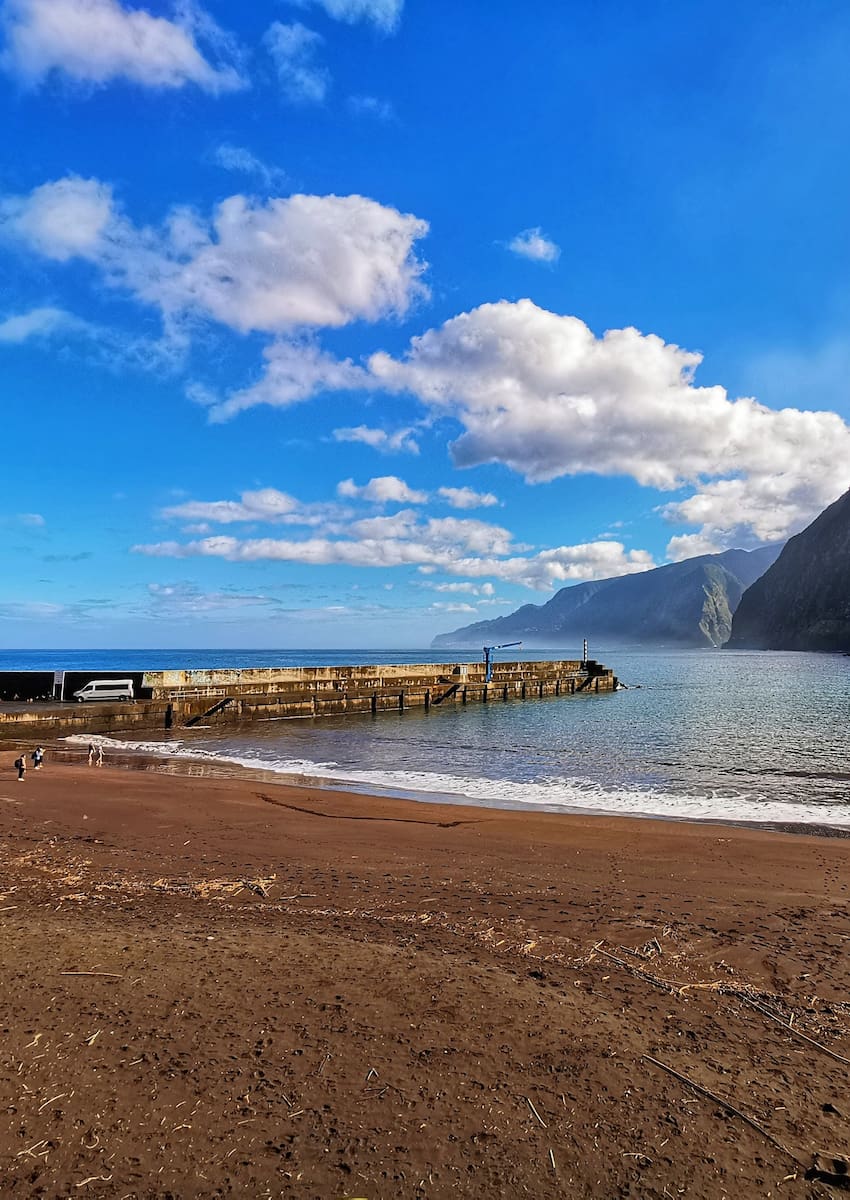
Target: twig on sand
(93,1179)
(90,1041)
(788,1028)
(370,1073)
(645,975)
(104,974)
(697,1087)
(552,1161)
(536,1113)
(50,1101)
(298,896)
(31,1148)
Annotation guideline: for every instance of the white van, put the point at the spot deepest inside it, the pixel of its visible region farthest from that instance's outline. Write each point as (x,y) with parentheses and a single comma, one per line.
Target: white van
(105,689)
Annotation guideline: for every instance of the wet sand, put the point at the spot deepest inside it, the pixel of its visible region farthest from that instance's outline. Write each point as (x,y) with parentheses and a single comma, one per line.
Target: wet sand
(216,987)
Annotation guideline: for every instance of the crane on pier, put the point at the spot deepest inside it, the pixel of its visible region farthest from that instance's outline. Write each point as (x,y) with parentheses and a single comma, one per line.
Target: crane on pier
(488,657)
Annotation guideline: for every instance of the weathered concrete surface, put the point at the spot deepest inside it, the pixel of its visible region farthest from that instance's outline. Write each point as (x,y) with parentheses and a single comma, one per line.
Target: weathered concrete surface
(179,697)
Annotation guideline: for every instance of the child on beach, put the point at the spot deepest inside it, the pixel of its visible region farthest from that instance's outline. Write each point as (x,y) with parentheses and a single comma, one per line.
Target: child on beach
(99,760)
(37,758)
(21,764)
(91,754)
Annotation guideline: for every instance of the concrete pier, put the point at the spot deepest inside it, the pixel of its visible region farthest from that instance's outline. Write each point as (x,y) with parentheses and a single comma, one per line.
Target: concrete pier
(177,699)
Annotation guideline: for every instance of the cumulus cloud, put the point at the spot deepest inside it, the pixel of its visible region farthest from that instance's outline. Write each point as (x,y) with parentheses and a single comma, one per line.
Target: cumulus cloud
(461,547)
(294,371)
(96,41)
(465,497)
(469,549)
(267,505)
(533,244)
(401,440)
(542,394)
(465,588)
(304,261)
(431,548)
(384,489)
(385,14)
(38,322)
(244,162)
(293,49)
(761,507)
(61,220)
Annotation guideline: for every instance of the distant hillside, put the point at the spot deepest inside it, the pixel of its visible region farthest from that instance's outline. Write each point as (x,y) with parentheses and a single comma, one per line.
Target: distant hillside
(687,603)
(803,601)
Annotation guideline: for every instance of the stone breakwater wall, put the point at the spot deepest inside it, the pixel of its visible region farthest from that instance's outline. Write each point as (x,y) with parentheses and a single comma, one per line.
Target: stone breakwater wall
(176,699)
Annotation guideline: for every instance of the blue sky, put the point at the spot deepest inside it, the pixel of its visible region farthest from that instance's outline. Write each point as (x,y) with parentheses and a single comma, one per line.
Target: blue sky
(347,322)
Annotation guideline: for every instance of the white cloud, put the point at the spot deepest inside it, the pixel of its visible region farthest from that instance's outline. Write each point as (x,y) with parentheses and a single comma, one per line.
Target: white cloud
(456,546)
(428,549)
(761,507)
(242,161)
(691,545)
(294,371)
(62,220)
(385,14)
(463,547)
(275,266)
(385,489)
(38,322)
(293,49)
(465,497)
(465,588)
(33,520)
(96,41)
(371,106)
(533,244)
(540,393)
(402,440)
(451,606)
(302,261)
(266,505)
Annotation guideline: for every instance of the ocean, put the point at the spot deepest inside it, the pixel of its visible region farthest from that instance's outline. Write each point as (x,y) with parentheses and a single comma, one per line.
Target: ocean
(701,734)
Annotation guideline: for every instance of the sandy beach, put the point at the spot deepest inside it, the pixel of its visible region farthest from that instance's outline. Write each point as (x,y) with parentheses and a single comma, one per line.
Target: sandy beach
(216,987)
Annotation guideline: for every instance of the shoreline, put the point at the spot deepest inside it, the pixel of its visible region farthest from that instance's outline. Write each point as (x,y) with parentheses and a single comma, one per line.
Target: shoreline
(185,765)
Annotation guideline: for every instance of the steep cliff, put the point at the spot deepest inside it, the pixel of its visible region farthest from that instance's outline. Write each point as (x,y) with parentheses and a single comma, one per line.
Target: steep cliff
(803,601)
(687,603)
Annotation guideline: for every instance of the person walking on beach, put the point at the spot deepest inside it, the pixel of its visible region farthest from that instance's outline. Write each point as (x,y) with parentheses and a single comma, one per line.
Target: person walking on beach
(99,759)
(37,758)
(91,754)
(21,764)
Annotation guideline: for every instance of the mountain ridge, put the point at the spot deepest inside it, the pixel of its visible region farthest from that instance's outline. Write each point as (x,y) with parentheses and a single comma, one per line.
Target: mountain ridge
(686,603)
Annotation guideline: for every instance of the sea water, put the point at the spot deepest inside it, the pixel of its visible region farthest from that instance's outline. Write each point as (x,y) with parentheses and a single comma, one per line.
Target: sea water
(705,734)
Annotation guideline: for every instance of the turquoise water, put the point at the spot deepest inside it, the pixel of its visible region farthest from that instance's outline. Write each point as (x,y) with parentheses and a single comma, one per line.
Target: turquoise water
(698,734)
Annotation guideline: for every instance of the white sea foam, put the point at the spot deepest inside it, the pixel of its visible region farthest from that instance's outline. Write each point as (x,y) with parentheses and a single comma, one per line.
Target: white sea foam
(553,794)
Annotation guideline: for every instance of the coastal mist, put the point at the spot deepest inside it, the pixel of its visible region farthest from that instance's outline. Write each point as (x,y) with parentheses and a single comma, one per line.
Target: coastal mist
(713,735)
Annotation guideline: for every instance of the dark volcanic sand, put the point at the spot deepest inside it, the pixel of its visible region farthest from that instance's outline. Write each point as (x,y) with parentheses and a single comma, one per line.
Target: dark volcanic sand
(381,1023)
